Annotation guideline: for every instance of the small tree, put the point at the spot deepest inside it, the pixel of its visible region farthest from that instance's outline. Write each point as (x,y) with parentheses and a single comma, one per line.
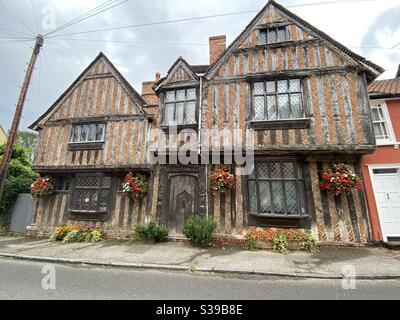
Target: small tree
(19,178)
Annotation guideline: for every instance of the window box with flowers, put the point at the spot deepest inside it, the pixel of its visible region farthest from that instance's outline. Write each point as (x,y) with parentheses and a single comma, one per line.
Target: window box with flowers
(339,179)
(135,186)
(42,187)
(221,180)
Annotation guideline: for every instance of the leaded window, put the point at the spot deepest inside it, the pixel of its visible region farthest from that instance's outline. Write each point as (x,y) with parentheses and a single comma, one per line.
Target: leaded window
(93,132)
(273,35)
(381,126)
(62,183)
(277,99)
(180,107)
(276,187)
(91,193)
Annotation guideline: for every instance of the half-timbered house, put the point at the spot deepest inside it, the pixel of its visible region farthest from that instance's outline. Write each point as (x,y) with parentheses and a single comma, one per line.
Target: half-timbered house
(283,95)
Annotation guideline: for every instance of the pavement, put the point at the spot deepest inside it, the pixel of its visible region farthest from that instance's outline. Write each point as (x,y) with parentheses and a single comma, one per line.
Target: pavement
(329,263)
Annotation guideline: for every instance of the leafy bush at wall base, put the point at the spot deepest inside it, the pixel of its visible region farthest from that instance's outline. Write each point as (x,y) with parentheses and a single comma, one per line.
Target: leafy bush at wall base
(150,231)
(280,240)
(199,229)
(72,234)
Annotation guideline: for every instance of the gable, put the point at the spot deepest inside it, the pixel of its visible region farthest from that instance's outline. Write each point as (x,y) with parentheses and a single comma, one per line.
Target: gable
(179,72)
(306,48)
(99,91)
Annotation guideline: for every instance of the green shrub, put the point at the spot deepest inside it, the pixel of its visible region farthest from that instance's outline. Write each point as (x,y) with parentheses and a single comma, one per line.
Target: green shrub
(280,244)
(250,243)
(73,236)
(308,243)
(199,229)
(150,230)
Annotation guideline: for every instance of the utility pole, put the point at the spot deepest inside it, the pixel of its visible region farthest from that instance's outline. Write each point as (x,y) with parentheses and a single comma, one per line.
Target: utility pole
(18,112)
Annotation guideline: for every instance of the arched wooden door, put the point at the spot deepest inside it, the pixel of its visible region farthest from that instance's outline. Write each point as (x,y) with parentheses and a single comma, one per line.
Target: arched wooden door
(182,201)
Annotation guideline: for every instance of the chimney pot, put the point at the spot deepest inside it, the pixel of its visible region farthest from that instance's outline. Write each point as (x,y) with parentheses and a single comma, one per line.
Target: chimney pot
(158,76)
(217,47)
(398,73)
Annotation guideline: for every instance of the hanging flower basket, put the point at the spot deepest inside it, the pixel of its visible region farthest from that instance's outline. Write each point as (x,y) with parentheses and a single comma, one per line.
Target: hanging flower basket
(339,179)
(221,180)
(42,187)
(135,186)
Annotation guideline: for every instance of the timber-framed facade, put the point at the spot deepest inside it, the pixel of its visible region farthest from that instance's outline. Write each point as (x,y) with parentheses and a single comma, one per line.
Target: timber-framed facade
(283,91)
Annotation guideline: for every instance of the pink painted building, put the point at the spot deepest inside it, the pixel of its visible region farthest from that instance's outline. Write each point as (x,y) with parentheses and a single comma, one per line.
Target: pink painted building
(381,170)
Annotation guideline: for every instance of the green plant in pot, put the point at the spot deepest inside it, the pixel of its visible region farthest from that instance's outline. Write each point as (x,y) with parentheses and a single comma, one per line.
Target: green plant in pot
(199,230)
(150,232)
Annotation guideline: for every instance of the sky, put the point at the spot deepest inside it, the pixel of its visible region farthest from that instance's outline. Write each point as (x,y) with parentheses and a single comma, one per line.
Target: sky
(368,27)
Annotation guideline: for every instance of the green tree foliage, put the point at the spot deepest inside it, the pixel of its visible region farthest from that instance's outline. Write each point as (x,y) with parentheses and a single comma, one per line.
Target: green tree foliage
(29,140)
(19,178)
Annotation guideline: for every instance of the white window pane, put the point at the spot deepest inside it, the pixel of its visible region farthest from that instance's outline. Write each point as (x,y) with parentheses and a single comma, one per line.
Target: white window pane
(272,36)
(252,196)
(271,107)
(375,115)
(99,132)
(180,95)
(281,34)
(259,108)
(294,85)
(191,112)
(259,88)
(282,86)
(170,96)
(191,94)
(179,112)
(84,133)
(265,197)
(169,113)
(283,106)
(295,104)
(92,132)
(271,86)
(76,134)
(263,37)
(278,204)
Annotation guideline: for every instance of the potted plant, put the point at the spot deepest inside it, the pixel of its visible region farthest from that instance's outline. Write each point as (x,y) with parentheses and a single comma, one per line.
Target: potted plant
(199,230)
(221,180)
(339,179)
(42,187)
(150,232)
(135,186)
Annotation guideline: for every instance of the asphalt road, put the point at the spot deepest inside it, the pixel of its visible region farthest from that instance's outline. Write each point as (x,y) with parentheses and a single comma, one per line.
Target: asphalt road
(24,280)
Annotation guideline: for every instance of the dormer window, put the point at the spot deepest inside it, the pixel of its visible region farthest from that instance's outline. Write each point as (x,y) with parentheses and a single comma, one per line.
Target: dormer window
(273,35)
(180,107)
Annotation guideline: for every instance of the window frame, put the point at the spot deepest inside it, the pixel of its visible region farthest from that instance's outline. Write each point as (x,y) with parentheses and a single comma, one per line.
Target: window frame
(269,30)
(387,121)
(175,102)
(86,145)
(301,194)
(91,214)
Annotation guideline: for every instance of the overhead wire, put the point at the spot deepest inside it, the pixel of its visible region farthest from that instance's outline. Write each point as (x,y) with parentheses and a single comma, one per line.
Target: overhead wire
(16,18)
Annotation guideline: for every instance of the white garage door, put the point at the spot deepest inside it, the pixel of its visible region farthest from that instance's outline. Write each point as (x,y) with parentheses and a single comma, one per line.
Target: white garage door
(386,184)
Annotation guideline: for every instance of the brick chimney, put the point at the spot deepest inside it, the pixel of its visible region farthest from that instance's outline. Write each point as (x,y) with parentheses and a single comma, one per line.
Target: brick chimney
(217,47)
(398,73)
(148,93)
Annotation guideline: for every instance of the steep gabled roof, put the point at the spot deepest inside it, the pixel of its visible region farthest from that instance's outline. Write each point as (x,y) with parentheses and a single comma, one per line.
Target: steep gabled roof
(179,62)
(119,76)
(373,69)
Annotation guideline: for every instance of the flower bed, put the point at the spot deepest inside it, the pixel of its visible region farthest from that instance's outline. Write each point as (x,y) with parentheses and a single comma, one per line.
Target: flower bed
(42,187)
(135,186)
(339,179)
(221,180)
(73,233)
(280,240)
